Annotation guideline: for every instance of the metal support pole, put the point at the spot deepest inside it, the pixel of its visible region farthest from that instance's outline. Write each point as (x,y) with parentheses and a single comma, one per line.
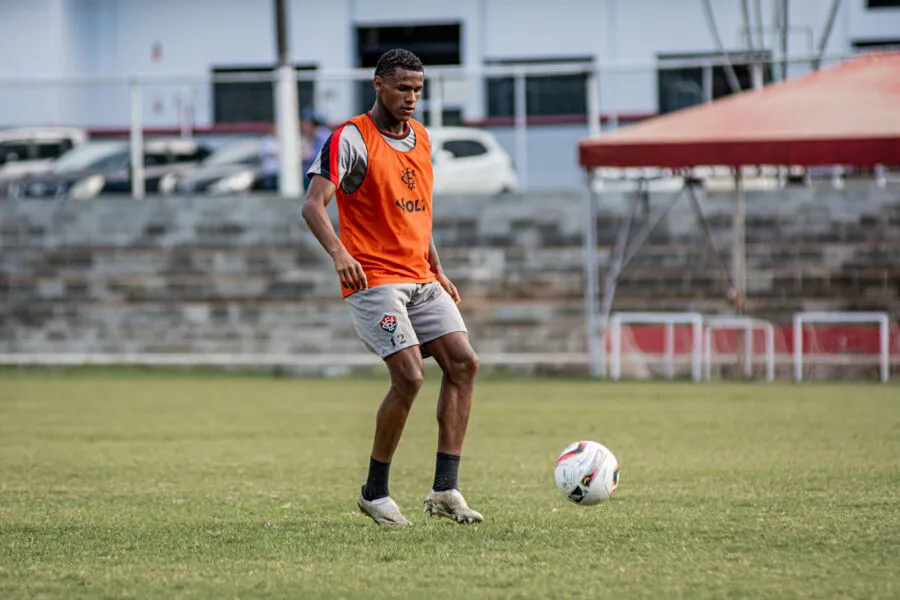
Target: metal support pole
(595,352)
(785,28)
(708,84)
(756,72)
(748,351)
(615,350)
(618,262)
(521,129)
(288,122)
(593,103)
(669,350)
(287,115)
(798,348)
(738,247)
(137,143)
(697,354)
(707,352)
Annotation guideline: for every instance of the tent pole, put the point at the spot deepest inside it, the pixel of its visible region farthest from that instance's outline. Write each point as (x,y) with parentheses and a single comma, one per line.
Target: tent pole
(738,248)
(612,275)
(707,233)
(595,359)
(641,238)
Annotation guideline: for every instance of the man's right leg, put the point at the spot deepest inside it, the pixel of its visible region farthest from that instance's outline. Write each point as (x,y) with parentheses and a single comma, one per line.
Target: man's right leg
(382,322)
(407,373)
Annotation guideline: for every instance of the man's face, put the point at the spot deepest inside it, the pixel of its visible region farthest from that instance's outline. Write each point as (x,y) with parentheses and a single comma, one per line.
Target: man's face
(400,92)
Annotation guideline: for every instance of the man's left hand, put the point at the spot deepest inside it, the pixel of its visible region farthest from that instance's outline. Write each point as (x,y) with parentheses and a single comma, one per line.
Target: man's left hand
(448,286)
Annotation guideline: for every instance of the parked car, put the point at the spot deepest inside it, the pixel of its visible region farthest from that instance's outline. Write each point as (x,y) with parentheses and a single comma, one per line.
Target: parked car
(102,167)
(468,160)
(232,169)
(28,150)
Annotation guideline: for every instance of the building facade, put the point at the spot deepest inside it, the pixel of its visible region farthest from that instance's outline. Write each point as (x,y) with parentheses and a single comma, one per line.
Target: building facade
(71,61)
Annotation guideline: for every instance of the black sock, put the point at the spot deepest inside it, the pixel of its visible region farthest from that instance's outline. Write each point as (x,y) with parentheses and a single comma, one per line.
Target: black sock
(377,483)
(446,472)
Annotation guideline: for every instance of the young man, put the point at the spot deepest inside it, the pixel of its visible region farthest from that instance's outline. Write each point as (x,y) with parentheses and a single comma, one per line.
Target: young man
(404,308)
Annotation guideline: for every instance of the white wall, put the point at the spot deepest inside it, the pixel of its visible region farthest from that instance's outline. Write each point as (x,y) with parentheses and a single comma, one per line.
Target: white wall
(26,55)
(115,38)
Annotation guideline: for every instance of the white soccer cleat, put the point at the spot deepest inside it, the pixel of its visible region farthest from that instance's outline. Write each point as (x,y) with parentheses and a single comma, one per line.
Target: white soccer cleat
(383,511)
(452,505)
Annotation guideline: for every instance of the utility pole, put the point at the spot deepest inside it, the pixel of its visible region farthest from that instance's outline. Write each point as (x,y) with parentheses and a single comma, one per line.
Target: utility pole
(287,118)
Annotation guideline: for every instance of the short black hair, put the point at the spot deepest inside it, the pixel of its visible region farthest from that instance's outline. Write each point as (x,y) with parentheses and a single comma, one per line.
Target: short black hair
(398,58)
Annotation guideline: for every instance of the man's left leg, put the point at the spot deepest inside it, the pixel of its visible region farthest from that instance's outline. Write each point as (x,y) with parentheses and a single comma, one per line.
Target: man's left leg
(440,327)
(459,363)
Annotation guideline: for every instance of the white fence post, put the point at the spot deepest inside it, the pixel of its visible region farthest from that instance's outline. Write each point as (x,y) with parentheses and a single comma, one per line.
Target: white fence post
(136,139)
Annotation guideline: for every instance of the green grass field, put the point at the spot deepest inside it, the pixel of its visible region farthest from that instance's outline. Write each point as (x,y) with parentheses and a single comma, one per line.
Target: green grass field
(167,486)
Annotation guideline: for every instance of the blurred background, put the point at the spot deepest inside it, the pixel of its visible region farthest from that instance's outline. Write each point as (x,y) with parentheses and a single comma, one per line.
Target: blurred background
(152,151)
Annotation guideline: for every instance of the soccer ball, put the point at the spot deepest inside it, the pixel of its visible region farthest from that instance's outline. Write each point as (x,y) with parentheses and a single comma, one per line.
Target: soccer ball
(587,473)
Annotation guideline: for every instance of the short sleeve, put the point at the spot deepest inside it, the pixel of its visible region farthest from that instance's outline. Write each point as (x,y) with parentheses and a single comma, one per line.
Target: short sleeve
(343,159)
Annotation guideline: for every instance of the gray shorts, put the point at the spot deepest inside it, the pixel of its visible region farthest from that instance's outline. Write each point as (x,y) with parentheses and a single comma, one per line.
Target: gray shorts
(394,316)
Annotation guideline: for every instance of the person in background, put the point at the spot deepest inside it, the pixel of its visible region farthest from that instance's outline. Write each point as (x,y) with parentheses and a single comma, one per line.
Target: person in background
(313,135)
(269,159)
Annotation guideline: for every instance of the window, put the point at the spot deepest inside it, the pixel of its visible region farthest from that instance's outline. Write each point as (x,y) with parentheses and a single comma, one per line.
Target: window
(882,4)
(545,95)
(13,151)
(252,101)
(876,45)
(465,148)
(434,44)
(679,88)
(52,149)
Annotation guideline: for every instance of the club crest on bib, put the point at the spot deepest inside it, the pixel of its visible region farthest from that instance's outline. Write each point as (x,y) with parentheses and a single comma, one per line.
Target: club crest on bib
(408,176)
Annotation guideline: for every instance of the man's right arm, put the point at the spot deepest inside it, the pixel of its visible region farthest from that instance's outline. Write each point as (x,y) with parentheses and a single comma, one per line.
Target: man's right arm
(314,212)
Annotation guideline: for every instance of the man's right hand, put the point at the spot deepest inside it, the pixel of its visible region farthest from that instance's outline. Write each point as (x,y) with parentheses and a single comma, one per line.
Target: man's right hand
(319,194)
(349,271)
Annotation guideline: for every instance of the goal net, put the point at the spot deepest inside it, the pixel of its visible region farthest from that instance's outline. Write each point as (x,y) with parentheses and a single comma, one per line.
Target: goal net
(841,345)
(654,345)
(739,347)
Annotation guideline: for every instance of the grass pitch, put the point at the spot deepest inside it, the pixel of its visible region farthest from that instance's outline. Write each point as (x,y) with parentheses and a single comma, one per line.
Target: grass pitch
(136,486)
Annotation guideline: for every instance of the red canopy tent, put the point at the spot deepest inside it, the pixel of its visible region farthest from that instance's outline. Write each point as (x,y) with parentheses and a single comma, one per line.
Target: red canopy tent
(845,115)
(848,114)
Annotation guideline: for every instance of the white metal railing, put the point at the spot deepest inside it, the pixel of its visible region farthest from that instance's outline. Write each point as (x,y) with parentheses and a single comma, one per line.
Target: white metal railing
(603,95)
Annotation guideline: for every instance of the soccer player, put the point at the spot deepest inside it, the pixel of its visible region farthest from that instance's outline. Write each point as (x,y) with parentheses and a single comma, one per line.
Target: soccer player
(404,307)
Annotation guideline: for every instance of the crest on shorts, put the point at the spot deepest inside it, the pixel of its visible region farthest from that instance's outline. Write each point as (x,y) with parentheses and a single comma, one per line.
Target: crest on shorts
(388,322)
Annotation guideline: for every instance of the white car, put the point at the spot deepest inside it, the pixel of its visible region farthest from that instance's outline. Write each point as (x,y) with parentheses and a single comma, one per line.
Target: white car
(470,161)
(31,149)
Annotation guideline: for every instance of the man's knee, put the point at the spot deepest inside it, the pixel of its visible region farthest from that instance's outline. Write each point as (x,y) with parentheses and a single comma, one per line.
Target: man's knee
(408,377)
(463,367)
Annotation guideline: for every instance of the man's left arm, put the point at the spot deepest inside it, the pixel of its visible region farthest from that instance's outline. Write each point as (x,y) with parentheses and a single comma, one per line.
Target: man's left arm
(435,262)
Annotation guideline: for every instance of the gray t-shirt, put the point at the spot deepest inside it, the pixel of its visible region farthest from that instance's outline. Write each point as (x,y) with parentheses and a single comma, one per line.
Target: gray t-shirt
(348,168)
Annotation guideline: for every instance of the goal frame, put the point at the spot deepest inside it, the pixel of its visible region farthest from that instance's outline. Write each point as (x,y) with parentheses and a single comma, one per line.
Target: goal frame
(879,318)
(669,319)
(749,325)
